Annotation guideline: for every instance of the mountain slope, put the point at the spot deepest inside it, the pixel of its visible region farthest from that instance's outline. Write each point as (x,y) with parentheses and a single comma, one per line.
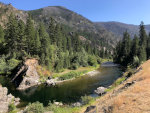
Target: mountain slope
(75,21)
(119,28)
(6,10)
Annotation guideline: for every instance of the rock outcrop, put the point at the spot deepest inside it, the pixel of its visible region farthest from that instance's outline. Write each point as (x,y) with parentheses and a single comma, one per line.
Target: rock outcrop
(26,74)
(100,90)
(6,99)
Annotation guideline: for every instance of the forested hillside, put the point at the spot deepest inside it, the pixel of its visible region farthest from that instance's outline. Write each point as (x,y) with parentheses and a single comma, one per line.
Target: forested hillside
(58,37)
(133,52)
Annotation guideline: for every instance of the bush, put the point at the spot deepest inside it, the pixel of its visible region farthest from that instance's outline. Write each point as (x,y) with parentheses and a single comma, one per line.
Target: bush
(74,66)
(61,109)
(92,61)
(35,108)
(86,99)
(72,74)
(12,63)
(12,108)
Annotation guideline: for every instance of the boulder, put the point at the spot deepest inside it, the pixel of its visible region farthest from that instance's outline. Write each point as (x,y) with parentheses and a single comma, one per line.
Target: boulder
(50,82)
(6,99)
(90,109)
(58,103)
(25,75)
(100,90)
(77,104)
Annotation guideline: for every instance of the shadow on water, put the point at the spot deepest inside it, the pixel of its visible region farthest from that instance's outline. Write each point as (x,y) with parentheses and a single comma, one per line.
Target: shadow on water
(69,91)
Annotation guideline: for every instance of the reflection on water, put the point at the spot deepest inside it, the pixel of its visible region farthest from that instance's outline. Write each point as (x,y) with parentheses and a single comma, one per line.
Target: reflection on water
(69,91)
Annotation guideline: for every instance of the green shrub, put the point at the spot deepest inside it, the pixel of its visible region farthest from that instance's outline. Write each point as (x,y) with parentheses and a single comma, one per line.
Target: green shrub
(72,74)
(35,108)
(12,108)
(61,109)
(12,63)
(92,61)
(86,99)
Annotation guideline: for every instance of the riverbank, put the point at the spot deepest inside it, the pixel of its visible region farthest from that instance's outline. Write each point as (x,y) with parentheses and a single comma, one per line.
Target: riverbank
(130,93)
(69,75)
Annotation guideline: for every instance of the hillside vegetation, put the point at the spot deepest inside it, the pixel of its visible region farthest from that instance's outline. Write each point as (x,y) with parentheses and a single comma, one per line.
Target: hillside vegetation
(132,96)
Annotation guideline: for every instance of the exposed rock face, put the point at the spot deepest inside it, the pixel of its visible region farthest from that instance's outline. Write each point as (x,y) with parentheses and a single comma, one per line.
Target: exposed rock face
(100,90)
(91,109)
(27,75)
(6,99)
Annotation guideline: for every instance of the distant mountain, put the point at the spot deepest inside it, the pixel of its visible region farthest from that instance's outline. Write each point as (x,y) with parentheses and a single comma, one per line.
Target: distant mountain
(75,21)
(119,28)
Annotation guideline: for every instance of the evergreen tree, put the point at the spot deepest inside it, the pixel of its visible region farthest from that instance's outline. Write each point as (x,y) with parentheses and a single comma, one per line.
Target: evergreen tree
(1,35)
(22,44)
(135,46)
(30,33)
(142,54)
(12,35)
(37,44)
(51,31)
(126,47)
(143,36)
(148,47)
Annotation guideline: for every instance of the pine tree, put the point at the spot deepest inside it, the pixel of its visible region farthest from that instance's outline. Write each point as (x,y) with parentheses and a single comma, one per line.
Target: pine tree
(142,54)
(37,44)
(30,33)
(126,47)
(51,31)
(22,44)
(148,47)
(12,35)
(135,46)
(1,35)
(58,36)
(143,36)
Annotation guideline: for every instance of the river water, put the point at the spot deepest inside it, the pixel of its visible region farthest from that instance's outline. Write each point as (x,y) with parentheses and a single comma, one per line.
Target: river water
(69,91)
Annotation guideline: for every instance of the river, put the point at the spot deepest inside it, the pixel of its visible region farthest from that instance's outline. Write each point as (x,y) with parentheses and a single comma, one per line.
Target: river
(69,91)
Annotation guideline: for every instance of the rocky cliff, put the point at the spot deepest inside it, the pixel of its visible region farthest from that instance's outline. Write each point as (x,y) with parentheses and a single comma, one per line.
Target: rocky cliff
(26,75)
(6,99)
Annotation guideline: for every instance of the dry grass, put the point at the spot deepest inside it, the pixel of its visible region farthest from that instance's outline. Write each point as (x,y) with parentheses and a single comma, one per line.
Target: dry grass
(134,99)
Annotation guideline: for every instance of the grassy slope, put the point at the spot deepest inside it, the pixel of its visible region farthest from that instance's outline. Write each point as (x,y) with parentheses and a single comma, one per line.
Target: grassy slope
(133,99)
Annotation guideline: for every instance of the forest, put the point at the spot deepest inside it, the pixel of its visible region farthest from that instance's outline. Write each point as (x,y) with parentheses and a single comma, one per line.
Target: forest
(53,45)
(133,52)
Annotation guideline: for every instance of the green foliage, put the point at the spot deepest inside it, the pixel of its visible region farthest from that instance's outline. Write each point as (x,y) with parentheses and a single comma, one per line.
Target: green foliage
(72,74)
(86,99)
(12,108)
(92,61)
(136,61)
(54,45)
(6,66)
(35,108)
(61,109)
(1,34)
(12,63)
(133,52)
(3,65)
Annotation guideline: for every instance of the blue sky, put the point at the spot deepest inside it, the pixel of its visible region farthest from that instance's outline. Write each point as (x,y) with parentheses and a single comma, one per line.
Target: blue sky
(127,11)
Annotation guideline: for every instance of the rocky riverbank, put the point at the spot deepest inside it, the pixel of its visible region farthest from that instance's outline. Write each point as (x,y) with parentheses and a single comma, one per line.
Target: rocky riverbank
(6,99)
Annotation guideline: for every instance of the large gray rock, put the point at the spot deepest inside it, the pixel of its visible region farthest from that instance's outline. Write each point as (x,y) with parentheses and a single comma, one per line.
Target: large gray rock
(91,109)
(100,90)
(50,82)
(26,74)
(6,99)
